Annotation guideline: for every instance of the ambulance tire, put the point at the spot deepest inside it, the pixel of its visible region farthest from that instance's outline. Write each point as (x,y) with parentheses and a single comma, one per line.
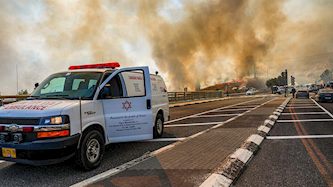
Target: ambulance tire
(89,159)
(159,126)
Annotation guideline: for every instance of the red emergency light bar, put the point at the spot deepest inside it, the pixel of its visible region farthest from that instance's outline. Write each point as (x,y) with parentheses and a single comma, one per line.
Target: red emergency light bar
(111,65)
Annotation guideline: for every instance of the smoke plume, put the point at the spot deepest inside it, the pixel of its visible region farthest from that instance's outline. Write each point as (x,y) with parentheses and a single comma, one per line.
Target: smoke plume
(189,42)
(212,32)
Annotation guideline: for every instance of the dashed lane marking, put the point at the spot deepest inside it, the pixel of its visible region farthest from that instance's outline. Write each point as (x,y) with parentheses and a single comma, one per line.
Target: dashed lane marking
(298,137)
(213,110)
(191,124)
(304,120)
(215,115)
(165,140)
(301,107)
(236,109)
(303,113)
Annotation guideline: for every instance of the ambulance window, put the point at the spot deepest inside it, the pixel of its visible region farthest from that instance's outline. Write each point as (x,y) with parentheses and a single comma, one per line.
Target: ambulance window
(134,82)
(77,83)
(112,89)
(92,83)
(54,86)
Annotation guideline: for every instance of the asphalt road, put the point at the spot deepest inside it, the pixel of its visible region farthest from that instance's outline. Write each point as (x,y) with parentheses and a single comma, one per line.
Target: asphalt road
(289,156)
(67,173)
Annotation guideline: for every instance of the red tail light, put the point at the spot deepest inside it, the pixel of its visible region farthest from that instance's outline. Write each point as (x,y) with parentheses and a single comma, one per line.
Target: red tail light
(2,128)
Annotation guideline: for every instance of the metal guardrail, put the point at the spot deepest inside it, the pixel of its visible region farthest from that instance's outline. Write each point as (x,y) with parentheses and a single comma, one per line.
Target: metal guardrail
(173,96)
(186,96)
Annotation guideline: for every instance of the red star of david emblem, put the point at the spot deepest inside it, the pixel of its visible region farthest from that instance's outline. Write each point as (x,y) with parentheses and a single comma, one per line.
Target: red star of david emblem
(127,105)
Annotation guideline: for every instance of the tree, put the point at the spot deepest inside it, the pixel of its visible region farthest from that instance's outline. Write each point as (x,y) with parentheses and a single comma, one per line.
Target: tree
(278,81)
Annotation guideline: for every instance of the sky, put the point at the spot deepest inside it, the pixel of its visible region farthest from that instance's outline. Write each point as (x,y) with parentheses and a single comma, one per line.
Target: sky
(188,42)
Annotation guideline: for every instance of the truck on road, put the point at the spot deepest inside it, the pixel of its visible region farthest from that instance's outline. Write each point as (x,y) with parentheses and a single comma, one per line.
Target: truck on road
(76,113)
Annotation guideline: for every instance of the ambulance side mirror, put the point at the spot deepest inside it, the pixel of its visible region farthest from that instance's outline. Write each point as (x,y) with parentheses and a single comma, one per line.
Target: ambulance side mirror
(36,85)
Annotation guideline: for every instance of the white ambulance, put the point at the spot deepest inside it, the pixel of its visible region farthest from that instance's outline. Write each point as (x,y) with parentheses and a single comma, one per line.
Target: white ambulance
(79,111)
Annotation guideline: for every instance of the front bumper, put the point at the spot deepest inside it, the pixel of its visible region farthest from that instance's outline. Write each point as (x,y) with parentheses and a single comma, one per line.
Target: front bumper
(43,152)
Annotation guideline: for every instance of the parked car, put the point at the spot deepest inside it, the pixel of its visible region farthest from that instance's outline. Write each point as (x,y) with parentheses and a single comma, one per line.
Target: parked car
(274,89)
(302,94)
(325,95)
(330,84)
(281,90)
(251,91)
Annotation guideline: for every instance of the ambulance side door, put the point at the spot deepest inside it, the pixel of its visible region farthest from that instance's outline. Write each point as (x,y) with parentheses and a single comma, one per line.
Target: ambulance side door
(126,100)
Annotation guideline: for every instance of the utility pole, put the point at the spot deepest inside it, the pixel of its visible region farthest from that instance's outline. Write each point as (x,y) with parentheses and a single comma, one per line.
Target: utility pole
(17,80)
(286,82)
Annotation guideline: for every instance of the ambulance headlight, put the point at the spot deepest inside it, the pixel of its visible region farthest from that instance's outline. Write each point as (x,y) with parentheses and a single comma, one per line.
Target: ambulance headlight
(55,120)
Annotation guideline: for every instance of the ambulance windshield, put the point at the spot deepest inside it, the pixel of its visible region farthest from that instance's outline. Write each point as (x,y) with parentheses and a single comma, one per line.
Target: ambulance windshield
(71,85)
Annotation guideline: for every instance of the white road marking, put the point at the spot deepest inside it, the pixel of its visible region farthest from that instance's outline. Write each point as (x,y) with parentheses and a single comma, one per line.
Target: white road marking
(303,113)
(300,103)
(191,124)
(136,161)
(166,140)
(305,107)
(113,171)
(216,179)
(304,120)
(213,110)
(215,115)
(298,137)
(235,109)
(1,161)
(246,106)
(324,109)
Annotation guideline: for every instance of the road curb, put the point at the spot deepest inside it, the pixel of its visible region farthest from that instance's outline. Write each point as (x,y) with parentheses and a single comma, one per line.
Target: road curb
(235,163)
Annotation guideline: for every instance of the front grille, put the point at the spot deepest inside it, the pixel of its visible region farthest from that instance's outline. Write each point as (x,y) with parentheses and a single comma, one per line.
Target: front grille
(20,121)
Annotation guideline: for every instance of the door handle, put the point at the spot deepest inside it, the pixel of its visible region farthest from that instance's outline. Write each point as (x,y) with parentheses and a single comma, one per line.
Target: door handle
(148,104)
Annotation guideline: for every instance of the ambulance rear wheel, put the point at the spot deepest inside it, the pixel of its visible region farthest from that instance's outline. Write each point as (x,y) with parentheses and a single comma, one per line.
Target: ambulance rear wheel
(159,126)
(89,155)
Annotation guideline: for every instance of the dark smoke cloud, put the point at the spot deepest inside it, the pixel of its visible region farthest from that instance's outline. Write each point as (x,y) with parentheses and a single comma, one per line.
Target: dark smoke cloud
(199,41)
(242,31)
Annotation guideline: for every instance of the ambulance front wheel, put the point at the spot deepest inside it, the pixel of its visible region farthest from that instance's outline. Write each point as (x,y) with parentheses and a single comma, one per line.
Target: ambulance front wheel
(159,126)
(90,153)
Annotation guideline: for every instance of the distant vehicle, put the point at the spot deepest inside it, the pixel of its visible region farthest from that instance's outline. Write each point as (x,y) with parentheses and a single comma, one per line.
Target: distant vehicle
(302,94)
(274,89)
(313,88)
(251,91)
(330,84)
(281,90)
(325,95)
